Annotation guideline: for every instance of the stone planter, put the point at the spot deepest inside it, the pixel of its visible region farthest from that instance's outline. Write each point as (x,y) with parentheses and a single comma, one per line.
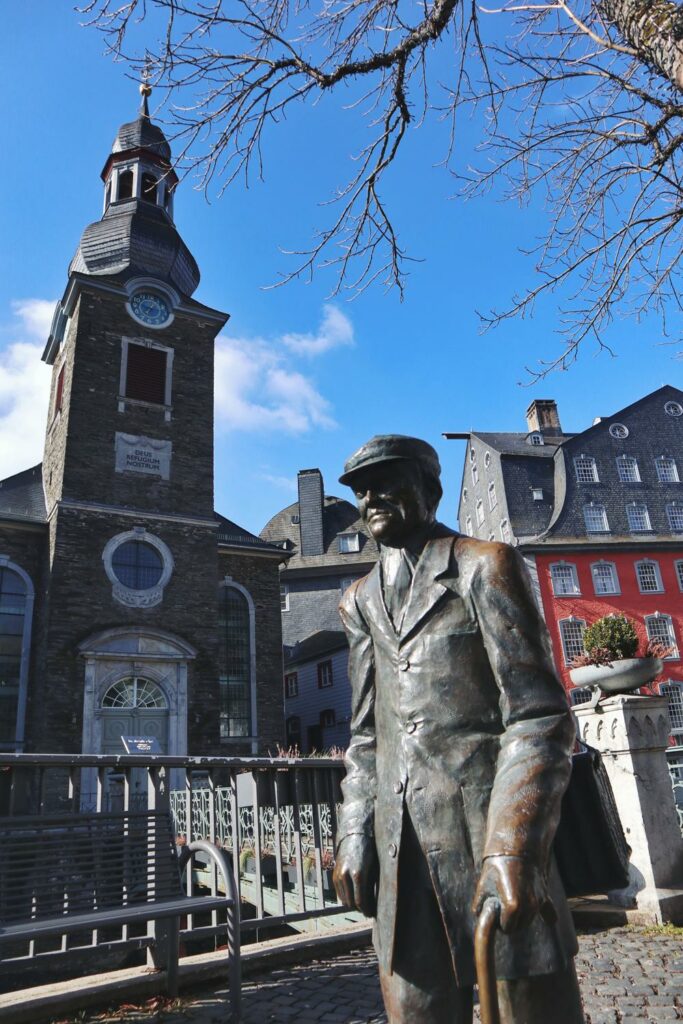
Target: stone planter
(620,676)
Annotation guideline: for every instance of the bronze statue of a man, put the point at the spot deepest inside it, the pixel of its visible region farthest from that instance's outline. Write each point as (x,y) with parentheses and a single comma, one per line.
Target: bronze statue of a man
(459,756)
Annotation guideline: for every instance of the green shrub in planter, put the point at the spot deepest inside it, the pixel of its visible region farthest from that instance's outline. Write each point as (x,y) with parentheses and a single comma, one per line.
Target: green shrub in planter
(615,635)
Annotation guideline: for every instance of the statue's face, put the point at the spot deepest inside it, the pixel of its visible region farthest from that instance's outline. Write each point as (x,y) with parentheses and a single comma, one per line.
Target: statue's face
(392,501)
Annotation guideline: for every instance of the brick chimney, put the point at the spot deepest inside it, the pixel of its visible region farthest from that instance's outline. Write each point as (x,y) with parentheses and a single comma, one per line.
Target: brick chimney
(311,503)
(542,416)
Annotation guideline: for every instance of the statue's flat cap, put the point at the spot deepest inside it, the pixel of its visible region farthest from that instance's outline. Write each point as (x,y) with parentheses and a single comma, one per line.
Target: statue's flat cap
(391,448)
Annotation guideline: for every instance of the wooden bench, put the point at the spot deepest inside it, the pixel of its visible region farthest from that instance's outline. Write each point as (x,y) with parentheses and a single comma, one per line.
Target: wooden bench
(62,875)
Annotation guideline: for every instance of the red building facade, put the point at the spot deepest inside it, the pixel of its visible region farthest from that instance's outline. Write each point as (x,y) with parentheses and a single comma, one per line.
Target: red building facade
(645,585)
(598,516)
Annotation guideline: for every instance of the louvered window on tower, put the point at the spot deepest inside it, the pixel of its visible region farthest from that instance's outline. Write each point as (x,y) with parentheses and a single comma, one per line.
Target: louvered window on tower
(146,374)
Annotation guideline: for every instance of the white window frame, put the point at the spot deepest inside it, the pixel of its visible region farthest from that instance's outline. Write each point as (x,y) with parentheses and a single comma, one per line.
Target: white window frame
(536,439)
(474,471)
(640,509)
(619,431)
(672,689)
(537,493)
(678,567)
(676,506)
(673,408)
(468,527)
(284,597)
(656,572)
(479,510)
(586,469)
(348,543)
(123,399)
(563,574)
(345,582)
(487,460)
(594,505)
(664,463)
(615,589)
(670,639)
(493,498)
(505,531)
(628,470)
(580,624)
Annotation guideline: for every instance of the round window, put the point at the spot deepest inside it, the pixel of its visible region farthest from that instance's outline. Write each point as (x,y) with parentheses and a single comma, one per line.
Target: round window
(619,431)
(150,308)
(673,409)
(137,565)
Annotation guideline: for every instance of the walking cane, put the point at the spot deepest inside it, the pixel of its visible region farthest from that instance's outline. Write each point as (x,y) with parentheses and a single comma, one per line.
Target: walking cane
(485,961)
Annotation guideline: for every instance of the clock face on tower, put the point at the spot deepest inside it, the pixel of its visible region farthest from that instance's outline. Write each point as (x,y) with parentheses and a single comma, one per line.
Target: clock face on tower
(151,308)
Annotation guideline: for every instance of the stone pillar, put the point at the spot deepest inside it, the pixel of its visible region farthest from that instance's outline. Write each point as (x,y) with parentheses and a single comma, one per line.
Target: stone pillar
(631,733)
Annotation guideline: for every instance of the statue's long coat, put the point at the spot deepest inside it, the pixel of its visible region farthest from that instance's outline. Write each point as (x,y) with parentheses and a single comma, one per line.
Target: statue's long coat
(460,719)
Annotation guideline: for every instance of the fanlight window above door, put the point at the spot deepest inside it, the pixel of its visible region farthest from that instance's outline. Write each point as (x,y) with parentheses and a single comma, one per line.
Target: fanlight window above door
(134,692)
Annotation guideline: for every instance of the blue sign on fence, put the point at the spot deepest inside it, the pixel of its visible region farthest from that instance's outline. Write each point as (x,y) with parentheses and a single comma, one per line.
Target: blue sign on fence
(141,745)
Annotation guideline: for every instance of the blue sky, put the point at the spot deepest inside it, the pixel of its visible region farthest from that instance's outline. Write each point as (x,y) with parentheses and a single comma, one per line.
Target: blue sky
(302,378)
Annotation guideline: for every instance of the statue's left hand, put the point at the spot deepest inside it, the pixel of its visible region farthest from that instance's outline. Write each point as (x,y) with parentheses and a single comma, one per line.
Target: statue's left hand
(520,888)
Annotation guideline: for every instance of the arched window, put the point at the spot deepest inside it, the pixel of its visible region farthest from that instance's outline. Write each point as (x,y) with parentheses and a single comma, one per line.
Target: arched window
(564,579)
(571,634)
(674,694)
(649,577)
(125,189)
(236,668)
(605,579)
(149,187)
(16,607)
(134,692)
(660,630)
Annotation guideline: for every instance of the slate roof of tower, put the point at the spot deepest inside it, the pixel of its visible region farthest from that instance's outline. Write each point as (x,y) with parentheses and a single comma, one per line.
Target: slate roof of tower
(22,495)
(141,134)
(339,516)
(136,238)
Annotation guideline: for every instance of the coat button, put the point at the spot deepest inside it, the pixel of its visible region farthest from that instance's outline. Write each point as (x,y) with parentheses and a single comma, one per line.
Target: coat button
(404,664)
(398,787)
(393,849)
(411,726)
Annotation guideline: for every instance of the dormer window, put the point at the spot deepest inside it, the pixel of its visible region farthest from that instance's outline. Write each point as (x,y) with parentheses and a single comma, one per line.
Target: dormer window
(349,543)
(536,439)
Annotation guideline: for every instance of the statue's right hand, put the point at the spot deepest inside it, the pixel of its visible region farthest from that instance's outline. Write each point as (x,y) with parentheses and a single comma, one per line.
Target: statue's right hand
(355,874)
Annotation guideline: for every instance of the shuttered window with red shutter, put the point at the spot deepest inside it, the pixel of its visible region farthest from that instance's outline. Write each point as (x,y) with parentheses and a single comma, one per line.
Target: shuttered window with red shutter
(146,374)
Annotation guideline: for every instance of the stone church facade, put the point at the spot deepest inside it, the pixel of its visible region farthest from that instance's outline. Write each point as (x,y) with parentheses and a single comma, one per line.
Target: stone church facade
(128,606)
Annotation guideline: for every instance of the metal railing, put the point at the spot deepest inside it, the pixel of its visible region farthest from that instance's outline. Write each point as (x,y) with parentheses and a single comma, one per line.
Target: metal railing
(276,819)
(674,756)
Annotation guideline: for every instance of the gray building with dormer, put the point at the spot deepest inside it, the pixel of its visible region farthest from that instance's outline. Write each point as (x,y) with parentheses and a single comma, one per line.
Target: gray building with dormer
(598,515)
(328,548)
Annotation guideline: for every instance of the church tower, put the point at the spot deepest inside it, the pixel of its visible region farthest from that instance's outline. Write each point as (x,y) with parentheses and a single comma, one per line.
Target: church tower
(131,619)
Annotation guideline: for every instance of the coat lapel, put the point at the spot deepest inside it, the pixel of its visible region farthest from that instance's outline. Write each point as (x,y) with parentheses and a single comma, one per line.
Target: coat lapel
(427,589)
(376,605)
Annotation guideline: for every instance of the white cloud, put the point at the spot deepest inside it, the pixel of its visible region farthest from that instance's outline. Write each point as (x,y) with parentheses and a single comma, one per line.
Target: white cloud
(335,329)
(35,316)
(287,483)
(24,386)
(259,389)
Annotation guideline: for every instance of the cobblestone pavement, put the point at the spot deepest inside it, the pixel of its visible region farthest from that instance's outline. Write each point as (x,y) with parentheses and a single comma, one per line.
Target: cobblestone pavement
(627,976)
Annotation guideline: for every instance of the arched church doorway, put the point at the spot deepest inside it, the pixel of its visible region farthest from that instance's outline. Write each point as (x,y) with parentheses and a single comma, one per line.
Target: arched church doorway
(134,706)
